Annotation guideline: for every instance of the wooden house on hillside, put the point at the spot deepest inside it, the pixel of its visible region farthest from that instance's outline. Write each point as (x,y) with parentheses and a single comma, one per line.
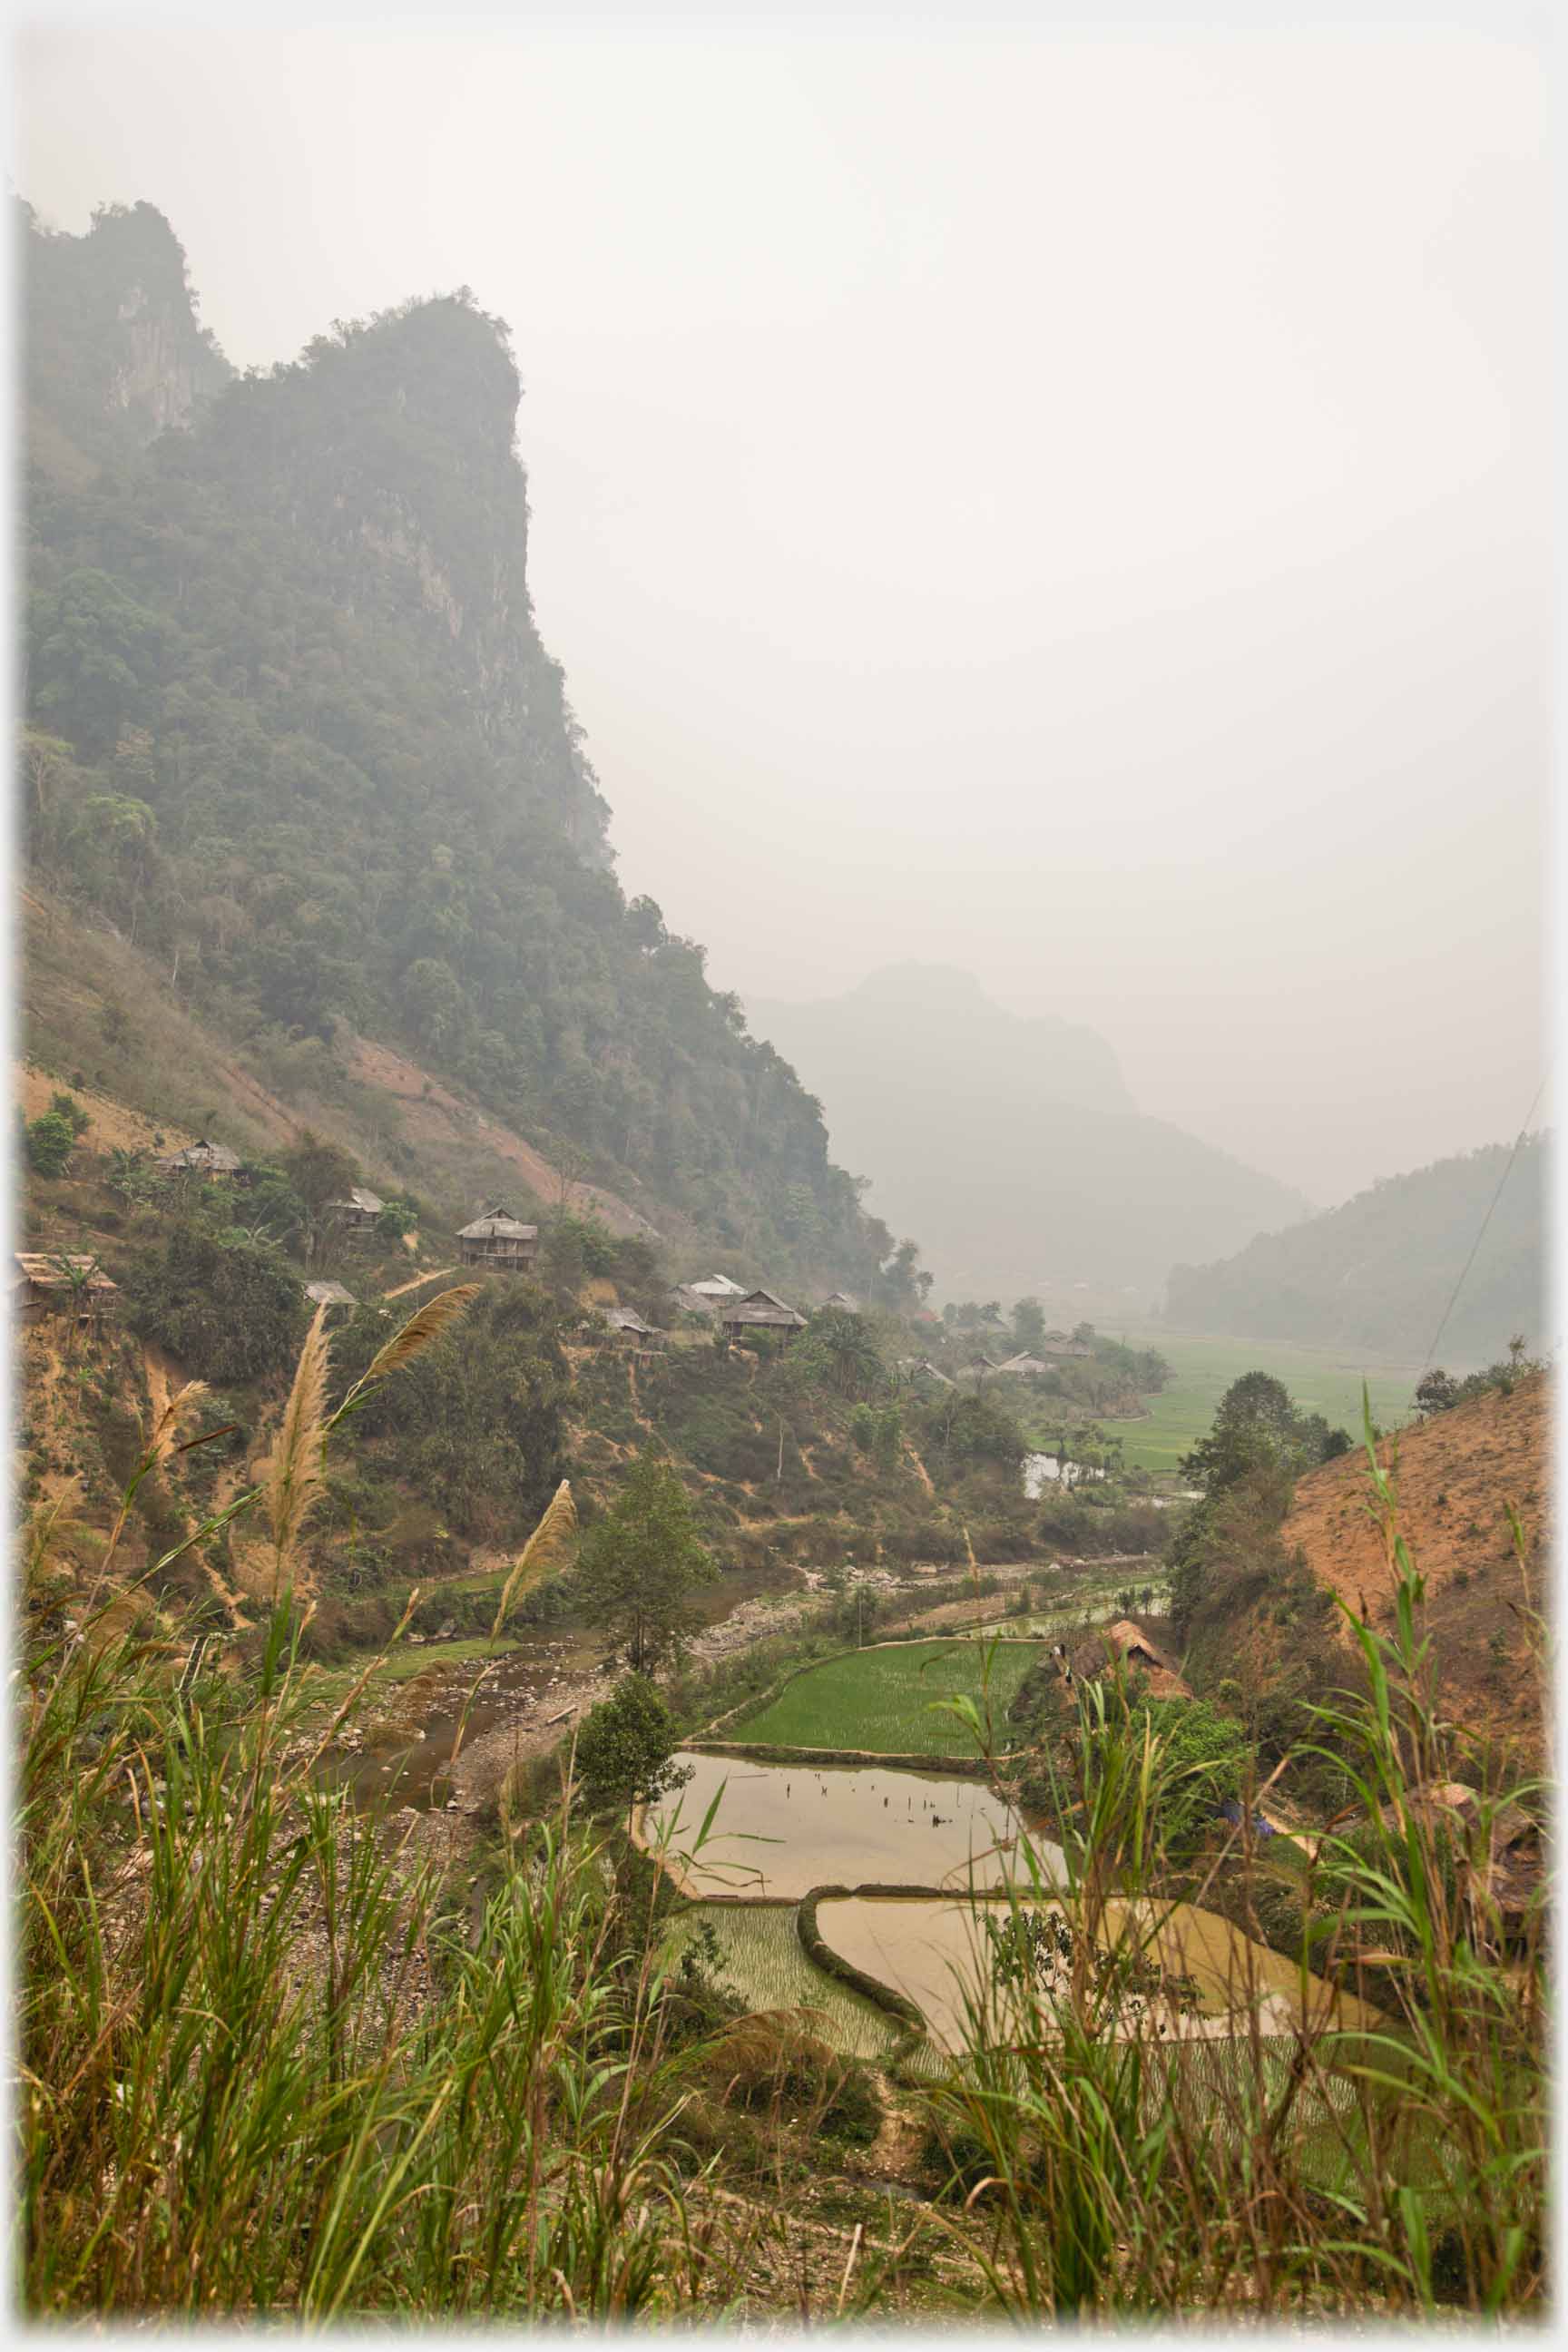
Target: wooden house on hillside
(1023,1367)
(200,1158)
(624,1323)
(332,1296)
(1062,1344)
(50,1282)
(500,1243)
(357,1211)
(920,1368)
(759,1310)
(845,1300)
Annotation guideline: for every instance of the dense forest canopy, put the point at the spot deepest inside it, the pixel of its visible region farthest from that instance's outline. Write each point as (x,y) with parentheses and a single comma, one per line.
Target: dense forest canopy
(1378,1271)
(293,726)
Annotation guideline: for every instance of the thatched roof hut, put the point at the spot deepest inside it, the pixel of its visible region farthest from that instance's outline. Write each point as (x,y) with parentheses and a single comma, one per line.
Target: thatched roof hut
(200,1159)
(626,1324)
(1127,1641)
(358,1210)
(759,1310)
(47,1282)
(499,1240)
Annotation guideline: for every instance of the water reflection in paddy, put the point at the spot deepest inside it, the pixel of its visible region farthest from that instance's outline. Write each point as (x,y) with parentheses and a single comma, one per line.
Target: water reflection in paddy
(932,1951)
(838,1825)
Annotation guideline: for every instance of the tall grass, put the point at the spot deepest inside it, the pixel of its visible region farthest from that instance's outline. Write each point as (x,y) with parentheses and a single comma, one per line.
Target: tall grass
(264,2066)
(1399,2167)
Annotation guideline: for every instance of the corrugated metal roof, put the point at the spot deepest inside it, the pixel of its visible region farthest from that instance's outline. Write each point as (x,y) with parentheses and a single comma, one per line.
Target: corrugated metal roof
(359,1197)
(329,1294)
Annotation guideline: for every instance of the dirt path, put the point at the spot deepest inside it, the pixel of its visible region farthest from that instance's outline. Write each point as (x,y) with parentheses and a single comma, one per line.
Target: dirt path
(418,1281)
(921,1473)
(165,1378)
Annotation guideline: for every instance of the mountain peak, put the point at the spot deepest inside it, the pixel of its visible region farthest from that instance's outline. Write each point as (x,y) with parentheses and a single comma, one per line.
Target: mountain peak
(925,988)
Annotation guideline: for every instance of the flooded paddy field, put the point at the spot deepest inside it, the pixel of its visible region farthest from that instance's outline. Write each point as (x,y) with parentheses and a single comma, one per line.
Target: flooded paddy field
(938,1955)
(783,1828)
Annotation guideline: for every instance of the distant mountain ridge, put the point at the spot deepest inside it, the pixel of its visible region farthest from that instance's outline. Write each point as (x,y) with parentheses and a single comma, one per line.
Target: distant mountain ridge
(1379,1271)
(1012,1145)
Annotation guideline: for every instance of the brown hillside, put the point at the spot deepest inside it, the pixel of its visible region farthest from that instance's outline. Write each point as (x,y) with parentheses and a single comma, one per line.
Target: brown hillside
(168,1073)
(1455,1475)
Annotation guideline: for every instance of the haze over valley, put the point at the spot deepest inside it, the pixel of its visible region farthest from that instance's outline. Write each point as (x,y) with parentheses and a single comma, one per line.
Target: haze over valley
(784,1379)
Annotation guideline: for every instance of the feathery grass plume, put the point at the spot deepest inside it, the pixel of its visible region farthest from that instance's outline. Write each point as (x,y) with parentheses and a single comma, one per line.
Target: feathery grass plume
(423,1327)
(294,1473)
(163,1440)
(546,1548)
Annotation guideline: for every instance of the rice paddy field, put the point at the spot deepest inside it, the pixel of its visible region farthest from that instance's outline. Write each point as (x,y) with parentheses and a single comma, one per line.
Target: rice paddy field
(886,1700)
(760,1958)
(779,1830)
(1203,1369)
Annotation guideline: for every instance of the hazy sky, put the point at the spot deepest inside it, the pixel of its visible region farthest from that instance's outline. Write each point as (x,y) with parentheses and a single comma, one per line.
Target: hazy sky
(1071,506)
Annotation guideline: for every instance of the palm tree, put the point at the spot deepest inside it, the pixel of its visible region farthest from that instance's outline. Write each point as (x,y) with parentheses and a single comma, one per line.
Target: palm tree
(839,1342)
(77,1274)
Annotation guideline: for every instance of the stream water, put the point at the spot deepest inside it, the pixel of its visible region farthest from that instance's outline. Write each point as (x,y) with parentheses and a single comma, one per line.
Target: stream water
(405,1757)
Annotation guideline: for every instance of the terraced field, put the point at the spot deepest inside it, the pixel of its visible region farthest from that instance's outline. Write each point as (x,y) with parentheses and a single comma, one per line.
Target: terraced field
(759,1957)
(886,1701)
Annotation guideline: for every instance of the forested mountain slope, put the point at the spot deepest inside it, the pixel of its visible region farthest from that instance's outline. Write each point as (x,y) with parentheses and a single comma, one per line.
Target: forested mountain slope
(1378,1271)
(1011,1145)
(295,735)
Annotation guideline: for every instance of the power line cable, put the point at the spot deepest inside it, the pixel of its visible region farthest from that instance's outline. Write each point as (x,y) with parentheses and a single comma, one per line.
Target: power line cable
(1486,1221)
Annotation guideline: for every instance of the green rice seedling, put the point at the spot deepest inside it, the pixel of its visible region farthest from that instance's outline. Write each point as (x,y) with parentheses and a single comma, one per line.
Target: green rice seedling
(890,1701)
(760,1958)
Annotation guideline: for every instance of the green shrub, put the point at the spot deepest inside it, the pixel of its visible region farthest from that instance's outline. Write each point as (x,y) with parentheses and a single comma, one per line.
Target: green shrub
(230,1309)
(51,1140)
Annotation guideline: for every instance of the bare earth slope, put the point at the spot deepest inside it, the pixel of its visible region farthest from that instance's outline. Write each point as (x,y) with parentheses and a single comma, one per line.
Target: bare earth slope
(1456,1475)
(170,1074)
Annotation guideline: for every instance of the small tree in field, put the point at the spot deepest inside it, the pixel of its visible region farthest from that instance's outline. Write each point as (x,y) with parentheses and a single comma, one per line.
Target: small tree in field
(625,1750)
(639,1564)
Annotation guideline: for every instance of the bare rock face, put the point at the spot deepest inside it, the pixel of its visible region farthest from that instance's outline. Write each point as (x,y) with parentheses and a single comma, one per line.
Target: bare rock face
(156,378)
(115,352)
